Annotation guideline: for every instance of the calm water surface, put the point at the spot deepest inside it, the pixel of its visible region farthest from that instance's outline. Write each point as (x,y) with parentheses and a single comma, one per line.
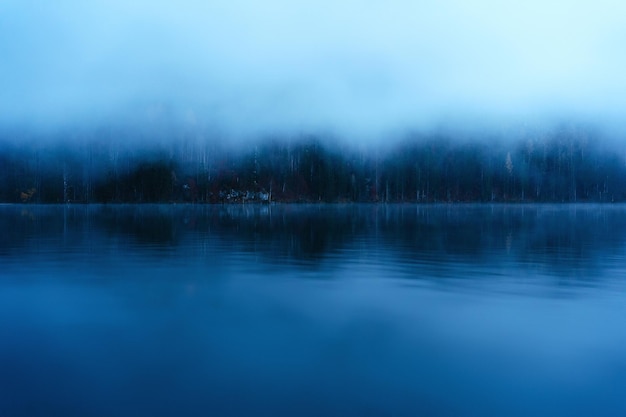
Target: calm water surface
(366,310)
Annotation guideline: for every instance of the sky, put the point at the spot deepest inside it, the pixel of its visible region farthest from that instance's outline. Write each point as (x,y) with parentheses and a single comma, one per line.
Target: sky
(353,67)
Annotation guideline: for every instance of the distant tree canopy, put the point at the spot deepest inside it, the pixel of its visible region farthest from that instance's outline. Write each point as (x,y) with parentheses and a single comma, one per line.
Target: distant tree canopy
(566,166)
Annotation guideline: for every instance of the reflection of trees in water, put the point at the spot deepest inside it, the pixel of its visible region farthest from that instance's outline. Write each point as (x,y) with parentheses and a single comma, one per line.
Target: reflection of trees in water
(281,233)
(560,240)
(571,242)
(574,244)
(146,224)
(31,228)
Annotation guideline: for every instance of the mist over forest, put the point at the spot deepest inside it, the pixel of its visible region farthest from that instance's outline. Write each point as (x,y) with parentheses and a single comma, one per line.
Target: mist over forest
(312,101)
(567,163)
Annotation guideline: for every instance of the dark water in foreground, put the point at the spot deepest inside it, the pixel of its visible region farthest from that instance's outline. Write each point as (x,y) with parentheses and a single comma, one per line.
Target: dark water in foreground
(367,310)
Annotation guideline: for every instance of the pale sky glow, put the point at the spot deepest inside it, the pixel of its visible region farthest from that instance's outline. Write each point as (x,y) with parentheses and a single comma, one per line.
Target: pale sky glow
(350,66)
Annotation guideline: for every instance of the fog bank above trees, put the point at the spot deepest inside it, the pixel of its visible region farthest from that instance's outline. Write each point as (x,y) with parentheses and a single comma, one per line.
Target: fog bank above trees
(566,164)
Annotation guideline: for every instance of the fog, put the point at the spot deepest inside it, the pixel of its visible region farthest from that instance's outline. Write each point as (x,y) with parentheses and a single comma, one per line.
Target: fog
(359,69)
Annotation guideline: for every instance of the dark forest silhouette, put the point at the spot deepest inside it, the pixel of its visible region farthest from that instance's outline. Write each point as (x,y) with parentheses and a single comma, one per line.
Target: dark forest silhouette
(563,166)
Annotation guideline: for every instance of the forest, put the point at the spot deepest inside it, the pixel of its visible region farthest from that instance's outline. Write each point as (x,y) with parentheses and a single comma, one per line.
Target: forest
(562,165)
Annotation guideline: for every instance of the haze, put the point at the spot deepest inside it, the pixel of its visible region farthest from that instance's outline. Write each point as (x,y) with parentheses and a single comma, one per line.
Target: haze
(358,68)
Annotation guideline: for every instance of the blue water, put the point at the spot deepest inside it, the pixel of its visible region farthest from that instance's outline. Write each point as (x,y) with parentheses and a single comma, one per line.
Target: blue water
(339,310)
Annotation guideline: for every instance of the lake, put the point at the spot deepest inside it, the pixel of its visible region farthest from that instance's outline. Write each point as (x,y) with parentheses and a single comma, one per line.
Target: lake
(313,310)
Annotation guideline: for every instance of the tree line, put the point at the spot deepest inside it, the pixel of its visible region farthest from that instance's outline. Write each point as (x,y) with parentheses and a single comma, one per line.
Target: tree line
(563,166)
